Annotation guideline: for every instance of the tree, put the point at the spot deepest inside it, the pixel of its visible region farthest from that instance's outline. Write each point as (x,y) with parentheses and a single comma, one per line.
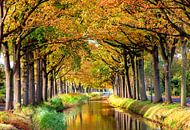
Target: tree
(184,73)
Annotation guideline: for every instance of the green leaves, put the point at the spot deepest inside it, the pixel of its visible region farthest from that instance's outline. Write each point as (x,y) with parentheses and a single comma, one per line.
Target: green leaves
(60,5)
(42,33)
(76,62)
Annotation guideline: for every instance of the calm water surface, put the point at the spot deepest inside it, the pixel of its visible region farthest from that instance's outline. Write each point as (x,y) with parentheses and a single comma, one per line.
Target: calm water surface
(101,116)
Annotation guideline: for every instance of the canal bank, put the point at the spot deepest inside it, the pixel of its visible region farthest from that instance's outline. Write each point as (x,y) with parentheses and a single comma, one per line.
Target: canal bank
(47,115)
(172,116)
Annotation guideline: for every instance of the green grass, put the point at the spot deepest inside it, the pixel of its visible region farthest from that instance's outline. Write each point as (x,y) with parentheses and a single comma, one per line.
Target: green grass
(45,116)
(73,99)
(171,115)
(47,119)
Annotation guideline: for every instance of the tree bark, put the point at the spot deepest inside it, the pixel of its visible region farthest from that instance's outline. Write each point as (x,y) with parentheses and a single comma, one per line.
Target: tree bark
(168,82)
(55,87)
(61,85)
(137,78)
(167,55)
(124,87)
(45,79)
(184,72)
(17,76)
(129,92)
(9,87)
(25,80)
(1,21)
(142,80)
(51,84)
(31,79)
(157,90)
(121,85)
(126,73)
(73,88)
(134,78)
(115,85)
(65,85)
(38,81)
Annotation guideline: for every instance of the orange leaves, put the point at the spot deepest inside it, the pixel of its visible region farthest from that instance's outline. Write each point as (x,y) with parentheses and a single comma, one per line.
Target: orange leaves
(110,3)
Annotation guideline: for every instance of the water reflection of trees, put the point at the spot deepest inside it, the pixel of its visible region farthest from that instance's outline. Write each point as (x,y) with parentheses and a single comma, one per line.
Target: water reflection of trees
(125,121)
(100,116)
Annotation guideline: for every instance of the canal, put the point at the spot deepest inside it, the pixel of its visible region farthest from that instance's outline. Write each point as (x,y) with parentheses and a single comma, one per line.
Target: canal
(100,116)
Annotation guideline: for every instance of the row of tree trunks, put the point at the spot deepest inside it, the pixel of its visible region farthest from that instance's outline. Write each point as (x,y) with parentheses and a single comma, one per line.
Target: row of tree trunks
(35,90)
(122,83)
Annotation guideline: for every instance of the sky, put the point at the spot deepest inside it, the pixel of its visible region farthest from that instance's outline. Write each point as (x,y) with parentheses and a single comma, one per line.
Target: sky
(2,61)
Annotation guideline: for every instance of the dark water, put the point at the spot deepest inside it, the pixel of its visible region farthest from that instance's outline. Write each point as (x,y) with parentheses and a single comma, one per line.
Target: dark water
(100,116)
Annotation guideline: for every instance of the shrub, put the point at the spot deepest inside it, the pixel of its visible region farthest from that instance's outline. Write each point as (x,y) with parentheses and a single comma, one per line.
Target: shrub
(49,119)
(56,103)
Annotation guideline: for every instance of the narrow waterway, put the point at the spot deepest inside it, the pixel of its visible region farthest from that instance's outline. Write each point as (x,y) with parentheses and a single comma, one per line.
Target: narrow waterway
(101,116)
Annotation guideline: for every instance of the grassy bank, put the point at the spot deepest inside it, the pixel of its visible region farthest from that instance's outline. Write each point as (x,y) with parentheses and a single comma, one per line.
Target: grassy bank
(173,115)
(46,116)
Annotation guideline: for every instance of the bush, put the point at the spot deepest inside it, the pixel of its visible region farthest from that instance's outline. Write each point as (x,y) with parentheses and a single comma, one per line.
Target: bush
(56,103)
(47,119)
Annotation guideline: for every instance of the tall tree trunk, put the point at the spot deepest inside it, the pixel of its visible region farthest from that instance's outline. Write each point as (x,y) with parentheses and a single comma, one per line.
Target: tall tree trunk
(61,85)
(184,72)
(64,83)
(137,78)
(116,86)
(157,90)
(80,88)
(25,78)
(41,80)
(129,92)
(142,80)
(1,21)
(51,84)
(167,55)
(55,87)
(17,76)
(8,84)
(134,78)
(124,87)
(73,87)
(168,82)
(31,79)
(38,81)
(126,73)
(45,79)
(9,87)
(121,85)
